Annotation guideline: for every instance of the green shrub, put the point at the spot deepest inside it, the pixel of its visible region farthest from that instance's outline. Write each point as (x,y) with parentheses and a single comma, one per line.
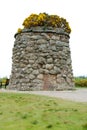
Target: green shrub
(80,82)
(3,80)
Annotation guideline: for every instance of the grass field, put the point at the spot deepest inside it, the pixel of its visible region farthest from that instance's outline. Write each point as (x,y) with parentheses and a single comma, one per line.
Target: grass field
(32,112)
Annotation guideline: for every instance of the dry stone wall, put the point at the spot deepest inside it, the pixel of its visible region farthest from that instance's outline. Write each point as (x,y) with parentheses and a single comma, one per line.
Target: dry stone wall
(41,60)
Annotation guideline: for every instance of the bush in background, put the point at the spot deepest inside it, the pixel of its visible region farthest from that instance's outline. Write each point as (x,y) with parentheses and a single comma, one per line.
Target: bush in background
(4,82)
(80,81)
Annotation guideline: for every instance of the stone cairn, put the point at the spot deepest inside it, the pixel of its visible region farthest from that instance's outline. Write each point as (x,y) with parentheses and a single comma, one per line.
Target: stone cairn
(41,60)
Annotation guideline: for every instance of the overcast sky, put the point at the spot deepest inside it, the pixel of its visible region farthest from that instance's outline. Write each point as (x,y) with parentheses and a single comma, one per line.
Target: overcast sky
(13,13)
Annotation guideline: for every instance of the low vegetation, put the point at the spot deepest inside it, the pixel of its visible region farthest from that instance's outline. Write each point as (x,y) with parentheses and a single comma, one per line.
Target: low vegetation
(32,112)
(46,20)
(80,81)
(4,82)
(3,79)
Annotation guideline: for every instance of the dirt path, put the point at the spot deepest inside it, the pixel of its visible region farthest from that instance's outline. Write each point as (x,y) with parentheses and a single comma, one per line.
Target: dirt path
(79,95)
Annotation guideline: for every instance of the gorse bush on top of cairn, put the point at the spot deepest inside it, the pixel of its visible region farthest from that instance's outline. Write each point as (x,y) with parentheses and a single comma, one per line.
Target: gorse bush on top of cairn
(43,19)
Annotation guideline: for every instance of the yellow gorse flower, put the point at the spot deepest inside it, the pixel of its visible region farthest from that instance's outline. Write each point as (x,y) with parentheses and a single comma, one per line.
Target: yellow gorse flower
(44,19)
(19,30)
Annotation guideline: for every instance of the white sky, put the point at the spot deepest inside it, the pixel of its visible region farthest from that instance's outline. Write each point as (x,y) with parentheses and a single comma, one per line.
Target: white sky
(13,13)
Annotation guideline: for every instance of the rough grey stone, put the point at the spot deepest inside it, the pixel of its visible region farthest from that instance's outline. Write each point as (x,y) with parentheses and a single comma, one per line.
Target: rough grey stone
(52,42)
(45,36)
(40,76)
(31,76)
(41,60)
(42,41)
(53,48)
(31,61)
(54,72)
(57,69)
(36,37)
(35,72)
(49,66)
(50,60)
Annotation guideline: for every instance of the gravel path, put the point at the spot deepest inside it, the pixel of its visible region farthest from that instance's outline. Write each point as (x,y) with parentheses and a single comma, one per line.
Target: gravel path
(78,95)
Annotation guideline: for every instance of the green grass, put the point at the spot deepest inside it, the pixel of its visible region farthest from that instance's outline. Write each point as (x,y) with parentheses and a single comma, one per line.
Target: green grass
(32,112)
